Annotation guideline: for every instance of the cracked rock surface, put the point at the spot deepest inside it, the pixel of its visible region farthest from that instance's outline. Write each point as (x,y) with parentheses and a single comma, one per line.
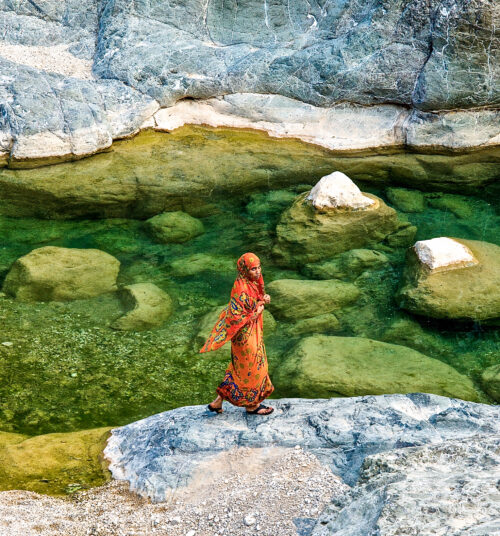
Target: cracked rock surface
(432,60)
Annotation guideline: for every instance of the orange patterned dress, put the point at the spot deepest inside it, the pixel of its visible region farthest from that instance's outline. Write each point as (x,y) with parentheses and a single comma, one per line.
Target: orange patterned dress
(246,382)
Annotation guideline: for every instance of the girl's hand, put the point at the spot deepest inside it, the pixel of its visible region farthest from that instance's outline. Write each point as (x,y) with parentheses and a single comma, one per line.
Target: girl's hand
(267,298)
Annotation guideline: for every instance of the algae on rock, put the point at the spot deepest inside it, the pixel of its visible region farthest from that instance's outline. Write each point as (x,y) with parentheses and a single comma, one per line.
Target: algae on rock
(60,274)
(294,299)
(469,293)
(149,307)
(353,366)
(174,227)
(308,235)
(56,464)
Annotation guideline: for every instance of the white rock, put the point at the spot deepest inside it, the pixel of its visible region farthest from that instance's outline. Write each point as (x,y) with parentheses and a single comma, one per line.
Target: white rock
(191,533)
(337,190)
(249,520)
(7,343)
(443,252)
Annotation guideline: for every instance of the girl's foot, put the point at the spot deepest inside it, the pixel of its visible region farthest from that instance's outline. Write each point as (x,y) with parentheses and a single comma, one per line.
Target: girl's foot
(216,405)
(215,408)
(261,410)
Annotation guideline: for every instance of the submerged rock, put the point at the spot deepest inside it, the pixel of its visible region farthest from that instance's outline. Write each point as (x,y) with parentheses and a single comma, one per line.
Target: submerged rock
(348,265)
(317,324)
(490,380)
(174,227)
(53,463)
(456,204)
(300,298)
(464,286)
(306,234)
(160,453)
(353,366)
(149,307)
(61,274)
(406,200)
(202,262)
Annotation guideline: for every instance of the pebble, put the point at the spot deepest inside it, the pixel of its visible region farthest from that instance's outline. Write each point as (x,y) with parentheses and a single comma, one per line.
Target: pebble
(8,343)
(249,520)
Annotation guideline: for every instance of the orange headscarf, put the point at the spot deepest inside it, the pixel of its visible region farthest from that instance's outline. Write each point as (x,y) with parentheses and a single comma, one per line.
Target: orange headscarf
(246,295)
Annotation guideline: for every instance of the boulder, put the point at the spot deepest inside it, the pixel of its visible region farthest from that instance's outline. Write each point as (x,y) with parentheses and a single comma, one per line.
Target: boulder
(53,464)
(316,324)
(325,366)
(406,200)
(295,299)
(202,262)
(306,234)
(341,432)
(458,205)
(61,274)
(148,305)
(452,282)
(490,380)
(174,227)
(348,265)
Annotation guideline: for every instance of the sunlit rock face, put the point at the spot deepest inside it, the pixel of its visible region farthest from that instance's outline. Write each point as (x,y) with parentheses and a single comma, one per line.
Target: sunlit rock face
(338,191)
(444,254)
(423,74)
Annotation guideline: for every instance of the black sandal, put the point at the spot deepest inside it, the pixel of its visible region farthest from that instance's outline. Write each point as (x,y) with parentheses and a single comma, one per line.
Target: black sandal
(256,410)
(216,410)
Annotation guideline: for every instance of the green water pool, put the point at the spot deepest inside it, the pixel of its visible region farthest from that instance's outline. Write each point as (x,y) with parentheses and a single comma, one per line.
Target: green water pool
(66,369)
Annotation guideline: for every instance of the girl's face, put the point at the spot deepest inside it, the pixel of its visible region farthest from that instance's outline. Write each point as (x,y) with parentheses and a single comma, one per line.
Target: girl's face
(254,272)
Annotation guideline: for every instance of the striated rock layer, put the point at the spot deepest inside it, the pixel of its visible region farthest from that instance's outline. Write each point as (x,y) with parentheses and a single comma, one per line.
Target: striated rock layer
(417,73)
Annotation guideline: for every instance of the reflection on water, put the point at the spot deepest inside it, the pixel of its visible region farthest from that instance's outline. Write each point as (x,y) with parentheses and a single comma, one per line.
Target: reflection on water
(67,370)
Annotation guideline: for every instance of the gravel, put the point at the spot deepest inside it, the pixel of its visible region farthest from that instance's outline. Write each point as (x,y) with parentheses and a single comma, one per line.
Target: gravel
(242,491)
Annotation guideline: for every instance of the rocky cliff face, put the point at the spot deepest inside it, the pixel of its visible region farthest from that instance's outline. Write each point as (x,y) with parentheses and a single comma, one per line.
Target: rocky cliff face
(426,57)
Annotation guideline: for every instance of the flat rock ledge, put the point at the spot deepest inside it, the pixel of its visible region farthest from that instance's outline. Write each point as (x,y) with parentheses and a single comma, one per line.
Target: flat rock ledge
(389,448)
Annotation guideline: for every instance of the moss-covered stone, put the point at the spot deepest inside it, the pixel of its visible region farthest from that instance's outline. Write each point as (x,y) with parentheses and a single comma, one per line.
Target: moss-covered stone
(55,464)
(406,200)
(174,227)
(470,293)
(491,381)
(347,265)
(353,366)
(268,206)
(325,323)
(456,204)
(307,235)
(202,262)
(148,306)
(293,299)
(61,274)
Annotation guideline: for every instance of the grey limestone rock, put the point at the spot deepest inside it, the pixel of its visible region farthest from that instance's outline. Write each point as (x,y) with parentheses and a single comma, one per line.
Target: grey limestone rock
(450,488)
(161,452)
(409,61)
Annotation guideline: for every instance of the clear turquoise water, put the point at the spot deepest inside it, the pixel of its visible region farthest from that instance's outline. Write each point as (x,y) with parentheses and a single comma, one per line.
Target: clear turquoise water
(67,370)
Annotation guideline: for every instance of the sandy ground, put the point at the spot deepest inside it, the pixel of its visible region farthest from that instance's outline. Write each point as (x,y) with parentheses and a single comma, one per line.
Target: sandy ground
(55,59)
(239,492)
